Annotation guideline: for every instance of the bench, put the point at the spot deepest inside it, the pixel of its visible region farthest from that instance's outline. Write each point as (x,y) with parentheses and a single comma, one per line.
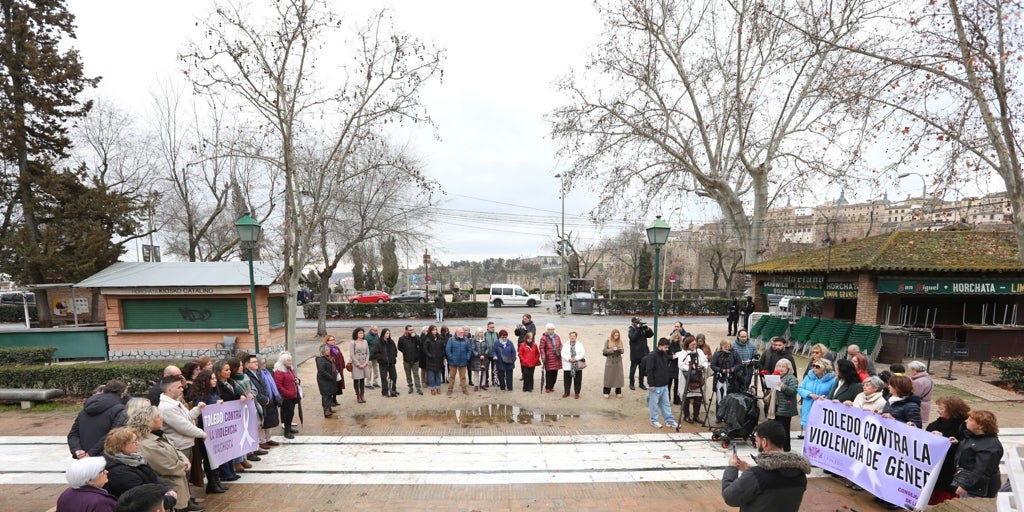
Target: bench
(28,397)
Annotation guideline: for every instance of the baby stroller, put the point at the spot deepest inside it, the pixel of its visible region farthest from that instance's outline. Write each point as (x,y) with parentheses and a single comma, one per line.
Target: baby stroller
(739,411)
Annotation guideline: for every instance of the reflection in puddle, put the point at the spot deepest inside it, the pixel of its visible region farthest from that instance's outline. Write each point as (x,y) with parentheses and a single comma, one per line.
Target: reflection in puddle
(485,414)
(491,414)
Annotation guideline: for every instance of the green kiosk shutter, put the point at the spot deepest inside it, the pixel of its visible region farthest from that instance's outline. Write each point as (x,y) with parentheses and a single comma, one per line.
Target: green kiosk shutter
(193,314)
(277,311)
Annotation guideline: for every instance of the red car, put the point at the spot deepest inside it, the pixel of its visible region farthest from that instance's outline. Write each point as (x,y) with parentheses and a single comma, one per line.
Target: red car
(370,296)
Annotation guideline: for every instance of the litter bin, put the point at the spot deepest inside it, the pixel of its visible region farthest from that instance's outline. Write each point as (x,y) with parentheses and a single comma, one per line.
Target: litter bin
(582,304)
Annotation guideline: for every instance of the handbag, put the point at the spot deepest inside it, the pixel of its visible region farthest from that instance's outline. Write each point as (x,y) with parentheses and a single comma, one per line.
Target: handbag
(507,359)
(581,364)
(348,366)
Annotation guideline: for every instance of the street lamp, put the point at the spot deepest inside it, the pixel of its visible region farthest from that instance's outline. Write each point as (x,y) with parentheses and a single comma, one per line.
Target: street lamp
(561,240)
(657,236)
(426,271)
(924,184)
(248,230)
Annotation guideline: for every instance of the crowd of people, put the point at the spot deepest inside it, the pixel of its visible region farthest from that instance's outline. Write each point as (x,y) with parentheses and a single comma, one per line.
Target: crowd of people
(904,394)
(124,443)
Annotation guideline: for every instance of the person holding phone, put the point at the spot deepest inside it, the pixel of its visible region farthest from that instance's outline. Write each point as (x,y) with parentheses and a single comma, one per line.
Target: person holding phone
(778,480)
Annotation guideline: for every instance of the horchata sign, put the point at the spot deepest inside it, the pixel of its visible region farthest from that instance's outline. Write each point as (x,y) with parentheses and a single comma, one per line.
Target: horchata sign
(951,286)
(231,430)
(894,461)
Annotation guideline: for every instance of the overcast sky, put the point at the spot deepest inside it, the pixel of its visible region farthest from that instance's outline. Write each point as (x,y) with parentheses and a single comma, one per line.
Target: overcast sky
(494,160)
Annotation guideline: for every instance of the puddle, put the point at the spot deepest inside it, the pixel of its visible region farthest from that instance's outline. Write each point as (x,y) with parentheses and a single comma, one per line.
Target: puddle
(490,414)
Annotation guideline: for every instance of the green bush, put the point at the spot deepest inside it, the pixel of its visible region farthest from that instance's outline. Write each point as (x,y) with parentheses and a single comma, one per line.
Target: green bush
(18,356)
(395,310)
(15,313)
(678,307)
(82,379)
(1011,370)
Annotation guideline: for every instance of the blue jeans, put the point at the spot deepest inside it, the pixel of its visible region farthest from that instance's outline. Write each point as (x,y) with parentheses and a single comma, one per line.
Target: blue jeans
(658,398)
(439,314)
(434,379)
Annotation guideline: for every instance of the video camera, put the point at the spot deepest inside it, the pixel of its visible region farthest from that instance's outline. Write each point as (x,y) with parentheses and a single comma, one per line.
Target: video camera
(636,320)
(754,362)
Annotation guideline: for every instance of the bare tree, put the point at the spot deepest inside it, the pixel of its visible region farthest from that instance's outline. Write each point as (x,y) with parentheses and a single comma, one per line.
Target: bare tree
(717,99)
(951,87)
(626,247)
(378,195)
(582,255)
(269,66)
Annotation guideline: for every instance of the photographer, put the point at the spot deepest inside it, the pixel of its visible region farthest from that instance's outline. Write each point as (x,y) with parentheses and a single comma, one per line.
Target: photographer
(638,335)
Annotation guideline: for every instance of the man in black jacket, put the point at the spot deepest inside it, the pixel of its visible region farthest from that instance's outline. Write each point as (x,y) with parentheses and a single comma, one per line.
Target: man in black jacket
(777,483)
(409,346)
(659,375)
(777,352)
(638,334)
(733,318)
(95,419)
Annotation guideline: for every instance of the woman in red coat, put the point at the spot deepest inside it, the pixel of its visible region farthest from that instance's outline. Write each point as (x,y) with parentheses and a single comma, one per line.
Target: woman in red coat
(529,358)
(288,385)
(551,355)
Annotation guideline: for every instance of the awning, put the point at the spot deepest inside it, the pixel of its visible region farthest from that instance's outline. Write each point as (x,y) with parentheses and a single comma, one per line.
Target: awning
(961,286)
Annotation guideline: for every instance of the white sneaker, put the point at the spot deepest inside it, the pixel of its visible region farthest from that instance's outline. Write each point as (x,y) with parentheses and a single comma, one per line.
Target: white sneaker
(673,425)
(655,424)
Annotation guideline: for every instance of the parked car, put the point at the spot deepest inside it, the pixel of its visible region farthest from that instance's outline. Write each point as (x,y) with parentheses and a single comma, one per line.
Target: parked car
(369,296)
(411,296)
(503,294)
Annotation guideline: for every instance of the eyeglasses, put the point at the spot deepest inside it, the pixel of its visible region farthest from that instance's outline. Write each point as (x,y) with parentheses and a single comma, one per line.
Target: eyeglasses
(816,366)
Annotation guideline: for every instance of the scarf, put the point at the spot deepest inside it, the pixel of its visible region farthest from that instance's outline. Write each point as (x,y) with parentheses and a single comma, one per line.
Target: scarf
(134,460)
(893,399)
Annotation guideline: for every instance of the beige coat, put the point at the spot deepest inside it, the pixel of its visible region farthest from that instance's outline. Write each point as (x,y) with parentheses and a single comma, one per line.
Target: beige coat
(167,462)
(360,354)
(180,423)
(613,373)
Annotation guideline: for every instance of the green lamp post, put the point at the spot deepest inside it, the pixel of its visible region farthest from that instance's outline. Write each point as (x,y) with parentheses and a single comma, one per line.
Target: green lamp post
(248,230)
(657,236)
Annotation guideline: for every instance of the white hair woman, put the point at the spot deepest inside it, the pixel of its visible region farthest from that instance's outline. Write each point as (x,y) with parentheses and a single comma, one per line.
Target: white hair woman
(86,478)
(289,385)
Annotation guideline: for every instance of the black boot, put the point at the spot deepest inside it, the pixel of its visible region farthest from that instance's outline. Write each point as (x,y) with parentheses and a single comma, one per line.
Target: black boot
(214,487)
(289,433)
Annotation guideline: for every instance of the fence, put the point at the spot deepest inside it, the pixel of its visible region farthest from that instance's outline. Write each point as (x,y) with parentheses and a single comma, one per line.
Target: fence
(931,349)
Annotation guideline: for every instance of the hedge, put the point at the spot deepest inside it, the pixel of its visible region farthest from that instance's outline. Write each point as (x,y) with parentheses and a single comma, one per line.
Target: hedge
(678,307)
(395,310)
(82,379)
(18,356)
(1011,370)
(15,313)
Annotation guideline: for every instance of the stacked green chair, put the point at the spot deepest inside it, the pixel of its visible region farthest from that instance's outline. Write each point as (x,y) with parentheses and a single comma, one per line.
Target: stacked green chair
(800,334)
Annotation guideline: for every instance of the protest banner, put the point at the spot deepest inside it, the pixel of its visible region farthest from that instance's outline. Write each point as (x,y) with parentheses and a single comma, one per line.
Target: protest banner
(231,430)
(894,461)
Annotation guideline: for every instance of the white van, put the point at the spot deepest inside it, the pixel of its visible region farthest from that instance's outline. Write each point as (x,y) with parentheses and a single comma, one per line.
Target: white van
(511,295)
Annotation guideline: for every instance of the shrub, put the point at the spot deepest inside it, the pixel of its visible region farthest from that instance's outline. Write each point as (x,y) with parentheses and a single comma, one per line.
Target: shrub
(15,314)
(1011,370)
(17,356)
(396,310)
(82,379)
(678,307)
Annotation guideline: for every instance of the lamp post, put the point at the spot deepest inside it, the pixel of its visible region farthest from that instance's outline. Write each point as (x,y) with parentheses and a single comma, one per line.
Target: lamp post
(248,230)
(924,184)
(561,250)
(657,236)
(426,271)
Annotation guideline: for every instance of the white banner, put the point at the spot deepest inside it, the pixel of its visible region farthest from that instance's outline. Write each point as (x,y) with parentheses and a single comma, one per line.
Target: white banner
(892,460)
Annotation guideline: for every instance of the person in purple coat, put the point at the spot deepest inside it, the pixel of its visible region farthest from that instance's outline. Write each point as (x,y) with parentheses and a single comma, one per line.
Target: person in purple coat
(86,478)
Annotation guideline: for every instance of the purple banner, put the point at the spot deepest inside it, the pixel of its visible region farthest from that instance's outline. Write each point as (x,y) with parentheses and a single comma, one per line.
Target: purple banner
(892,460)
(231,430)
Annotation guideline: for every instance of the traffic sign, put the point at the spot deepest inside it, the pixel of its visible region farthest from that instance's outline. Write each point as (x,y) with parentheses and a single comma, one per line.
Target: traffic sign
(672,278)
(415,278)
(428,279)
